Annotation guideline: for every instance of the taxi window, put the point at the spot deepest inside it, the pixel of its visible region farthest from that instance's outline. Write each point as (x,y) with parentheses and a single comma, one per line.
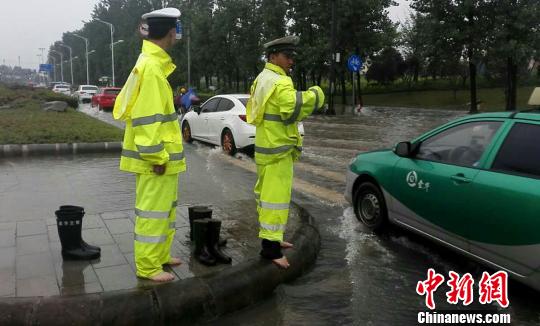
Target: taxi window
(520,152)
(460,145)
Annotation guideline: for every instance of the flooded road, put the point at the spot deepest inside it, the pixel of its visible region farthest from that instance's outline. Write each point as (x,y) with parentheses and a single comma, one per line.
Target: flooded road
(359,278)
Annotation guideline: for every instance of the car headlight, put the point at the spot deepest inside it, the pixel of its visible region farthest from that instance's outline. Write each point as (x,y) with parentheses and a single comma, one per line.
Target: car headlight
(353,160)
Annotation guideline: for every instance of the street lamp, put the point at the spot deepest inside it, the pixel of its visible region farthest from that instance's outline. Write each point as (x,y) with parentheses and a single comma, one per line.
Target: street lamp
(112,47)
(70,59)
(42,54)
(61,63)
(54,67)
(86,51)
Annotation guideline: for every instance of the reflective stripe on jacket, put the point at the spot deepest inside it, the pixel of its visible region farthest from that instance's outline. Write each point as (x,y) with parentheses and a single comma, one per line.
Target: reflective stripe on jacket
(152,135)
(279,108)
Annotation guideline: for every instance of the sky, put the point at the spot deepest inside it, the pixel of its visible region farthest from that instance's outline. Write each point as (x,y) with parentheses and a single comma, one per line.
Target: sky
(27,25)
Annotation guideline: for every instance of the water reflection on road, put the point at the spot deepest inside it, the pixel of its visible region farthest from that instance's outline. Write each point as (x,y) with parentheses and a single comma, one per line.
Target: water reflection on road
(360,278)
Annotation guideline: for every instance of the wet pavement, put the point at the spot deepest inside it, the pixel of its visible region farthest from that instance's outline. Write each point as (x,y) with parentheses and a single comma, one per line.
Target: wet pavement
(359,278)
(32,188)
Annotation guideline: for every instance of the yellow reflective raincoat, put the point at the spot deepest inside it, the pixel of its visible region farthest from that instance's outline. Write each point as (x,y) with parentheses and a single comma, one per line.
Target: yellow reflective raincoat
(275,108)
(152,137)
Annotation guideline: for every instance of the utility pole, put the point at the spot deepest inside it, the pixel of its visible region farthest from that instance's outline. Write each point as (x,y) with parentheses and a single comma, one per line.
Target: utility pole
(70,60)
(61,63)
(86,54)
(331,109)
(54,66)
(188,34)
(112,47)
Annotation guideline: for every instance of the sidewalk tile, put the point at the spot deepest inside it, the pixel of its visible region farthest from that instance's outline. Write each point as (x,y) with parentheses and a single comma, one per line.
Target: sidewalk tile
(7,282)
(34,265)
(7,238)
(92,222)
(38,286)
(116,277)
(31,228)
(97,237)
(113,215)
(52,232)
(7,258)
(82,289)
(124,242)
(118,226)
(32,244)
(110,256)
(8,226)
(75,273)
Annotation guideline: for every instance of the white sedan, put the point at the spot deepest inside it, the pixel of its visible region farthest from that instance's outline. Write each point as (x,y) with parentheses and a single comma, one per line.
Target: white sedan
(85,92)
(221,121)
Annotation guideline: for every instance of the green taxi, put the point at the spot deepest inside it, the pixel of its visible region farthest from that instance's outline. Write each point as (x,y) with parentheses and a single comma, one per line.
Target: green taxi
(472,184)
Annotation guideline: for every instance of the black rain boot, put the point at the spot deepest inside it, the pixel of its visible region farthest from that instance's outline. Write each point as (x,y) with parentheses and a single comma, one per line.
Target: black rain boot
(214,226)
(198,212)
(69,231)
(79,210)
(200,231)
(270,249)
(194,216)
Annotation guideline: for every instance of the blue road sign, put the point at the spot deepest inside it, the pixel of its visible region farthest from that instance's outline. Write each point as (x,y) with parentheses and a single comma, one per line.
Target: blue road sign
(354,63)
(45,67)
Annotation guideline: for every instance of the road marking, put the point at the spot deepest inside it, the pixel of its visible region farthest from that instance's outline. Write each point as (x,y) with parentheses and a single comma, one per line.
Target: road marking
(299,185)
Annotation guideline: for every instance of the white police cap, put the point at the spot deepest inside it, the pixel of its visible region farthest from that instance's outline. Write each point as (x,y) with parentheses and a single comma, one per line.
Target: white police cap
(163,13)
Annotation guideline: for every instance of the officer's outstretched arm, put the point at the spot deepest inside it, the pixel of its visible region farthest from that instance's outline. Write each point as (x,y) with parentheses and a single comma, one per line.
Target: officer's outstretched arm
(297,105)
(147,115)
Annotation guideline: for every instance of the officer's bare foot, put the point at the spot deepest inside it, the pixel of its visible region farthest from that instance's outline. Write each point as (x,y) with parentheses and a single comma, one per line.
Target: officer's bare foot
(286,245)
(281,262)
(174,261)
(163,277)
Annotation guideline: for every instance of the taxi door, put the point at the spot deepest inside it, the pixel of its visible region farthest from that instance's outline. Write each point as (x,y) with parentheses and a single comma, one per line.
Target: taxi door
(434,187)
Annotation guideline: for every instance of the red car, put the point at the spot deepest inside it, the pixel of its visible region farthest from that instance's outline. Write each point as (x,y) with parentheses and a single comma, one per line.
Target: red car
(104,99)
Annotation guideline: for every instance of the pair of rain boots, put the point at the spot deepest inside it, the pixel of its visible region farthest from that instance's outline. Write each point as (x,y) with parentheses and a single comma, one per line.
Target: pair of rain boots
(69,223)
(204,231)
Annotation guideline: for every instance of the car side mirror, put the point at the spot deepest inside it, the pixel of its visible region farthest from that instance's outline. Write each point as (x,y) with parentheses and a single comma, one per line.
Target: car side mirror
(403,149)
(197,109)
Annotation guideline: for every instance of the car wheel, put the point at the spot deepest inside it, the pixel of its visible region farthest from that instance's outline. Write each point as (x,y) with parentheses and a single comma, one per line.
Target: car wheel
(186,132)
(370,207)
(227,142)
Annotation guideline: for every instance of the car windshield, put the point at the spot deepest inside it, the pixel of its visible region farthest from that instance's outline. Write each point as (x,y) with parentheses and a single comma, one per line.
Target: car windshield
(244,100)
(111,91)
(61,86)
(89,88)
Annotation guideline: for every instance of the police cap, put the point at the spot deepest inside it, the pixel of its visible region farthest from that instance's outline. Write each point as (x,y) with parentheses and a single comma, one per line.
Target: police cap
(165,16)
(285,44)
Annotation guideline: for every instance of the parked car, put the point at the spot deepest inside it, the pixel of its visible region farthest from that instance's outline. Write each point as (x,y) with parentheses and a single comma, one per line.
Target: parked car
(105,97)
(221,120)
(62,89)
(472,184)
(85,92)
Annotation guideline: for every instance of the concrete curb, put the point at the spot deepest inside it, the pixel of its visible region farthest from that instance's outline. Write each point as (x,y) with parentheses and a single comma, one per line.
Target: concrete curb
(56,149)
(182,302)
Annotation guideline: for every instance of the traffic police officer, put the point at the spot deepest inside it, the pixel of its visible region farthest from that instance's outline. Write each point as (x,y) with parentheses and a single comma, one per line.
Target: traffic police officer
(152,147)
(275,108)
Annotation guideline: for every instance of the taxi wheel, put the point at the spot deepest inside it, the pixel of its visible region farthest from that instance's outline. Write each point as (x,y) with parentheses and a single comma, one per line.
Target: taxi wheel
(186,132)
(227,142)
(370,207)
